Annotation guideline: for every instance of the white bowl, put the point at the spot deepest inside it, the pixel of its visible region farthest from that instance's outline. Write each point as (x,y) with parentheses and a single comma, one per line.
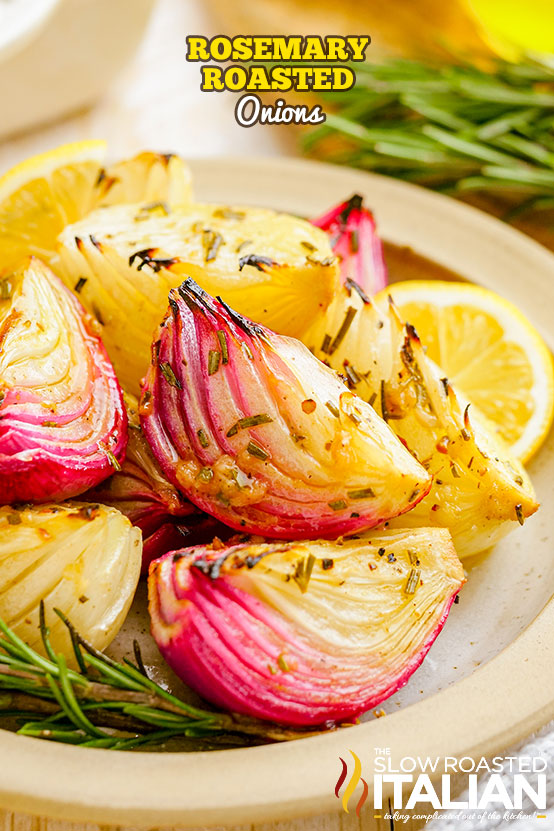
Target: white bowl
(57,56)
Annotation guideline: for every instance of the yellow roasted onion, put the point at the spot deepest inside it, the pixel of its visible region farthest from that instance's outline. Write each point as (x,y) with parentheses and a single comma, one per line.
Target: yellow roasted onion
(276,269)
(303,633)
(63,426)
(81,558)
(479,489)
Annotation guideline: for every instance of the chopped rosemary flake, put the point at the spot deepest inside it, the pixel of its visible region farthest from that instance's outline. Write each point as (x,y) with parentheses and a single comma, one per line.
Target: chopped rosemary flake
(455,471)
(381,552)
(156,208)
(326,345)
(518,480)
(112,459)
(249,421)
(413,581)
(332,408)
(355,417)
(202,438)
(205,474)
(79,284)
(352,375)
(325,261)
(519,514)
(229,213)
(167,372)
(247,351)
(255,450)
(337,505)
(282,663)
(413,558)
(211,242)
(303,572)
(98,314)
(14,519)
(354,241)
(361,493)
(308,245)
(213,361)
(373,398)
(5,289)
(223,344)
(345,326)
(353,285)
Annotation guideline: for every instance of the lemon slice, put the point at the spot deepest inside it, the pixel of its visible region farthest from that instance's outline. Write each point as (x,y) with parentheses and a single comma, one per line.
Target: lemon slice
(43,194)
(40,196)
(489,351)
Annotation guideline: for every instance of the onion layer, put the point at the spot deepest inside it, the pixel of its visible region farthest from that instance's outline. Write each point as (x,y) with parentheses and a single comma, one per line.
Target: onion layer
(83,559)
(479,489)
(258,433)
(275,268)
(143,494)
(353,235)
(303,633)
(63,426)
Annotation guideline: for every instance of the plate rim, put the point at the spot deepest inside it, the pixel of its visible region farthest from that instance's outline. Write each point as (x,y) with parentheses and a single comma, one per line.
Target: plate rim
(263,783)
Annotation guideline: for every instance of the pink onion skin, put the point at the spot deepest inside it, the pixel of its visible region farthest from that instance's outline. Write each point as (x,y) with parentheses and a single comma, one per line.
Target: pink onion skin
(187,413)
(228,644)
(53,448)
(355,241)
(143,494)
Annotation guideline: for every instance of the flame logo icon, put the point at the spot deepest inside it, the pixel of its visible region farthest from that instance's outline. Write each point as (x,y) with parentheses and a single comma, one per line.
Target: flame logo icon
(352,784)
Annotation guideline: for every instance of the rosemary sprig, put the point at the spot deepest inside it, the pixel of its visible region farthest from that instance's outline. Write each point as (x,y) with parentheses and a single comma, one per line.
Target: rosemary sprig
(105,703)
(455,128)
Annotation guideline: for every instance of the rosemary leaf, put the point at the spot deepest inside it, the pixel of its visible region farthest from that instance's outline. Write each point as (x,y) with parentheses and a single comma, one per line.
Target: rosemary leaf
(454,127)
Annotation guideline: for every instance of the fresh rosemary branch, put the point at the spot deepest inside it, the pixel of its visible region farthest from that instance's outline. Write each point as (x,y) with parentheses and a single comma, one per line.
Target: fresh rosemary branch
(454,128)
(105,703)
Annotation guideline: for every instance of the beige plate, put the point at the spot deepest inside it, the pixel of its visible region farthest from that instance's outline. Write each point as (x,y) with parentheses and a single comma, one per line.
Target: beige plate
(488,680)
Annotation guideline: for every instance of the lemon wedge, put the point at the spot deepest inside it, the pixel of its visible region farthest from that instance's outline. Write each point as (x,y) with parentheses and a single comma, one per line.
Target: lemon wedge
(43,194)
(489,351)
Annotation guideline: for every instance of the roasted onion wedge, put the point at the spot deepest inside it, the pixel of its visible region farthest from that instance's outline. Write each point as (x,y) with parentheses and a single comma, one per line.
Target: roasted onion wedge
(479,490)
(143,494)
(83,559)
(304,633)
(257,432)
(353,236)
(273,267)
(63,426)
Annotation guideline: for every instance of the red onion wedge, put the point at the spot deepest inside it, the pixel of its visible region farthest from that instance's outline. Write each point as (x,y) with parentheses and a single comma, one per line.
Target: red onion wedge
(257,432)
(304,633)
(354,240)
(63,426)
(145,496)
